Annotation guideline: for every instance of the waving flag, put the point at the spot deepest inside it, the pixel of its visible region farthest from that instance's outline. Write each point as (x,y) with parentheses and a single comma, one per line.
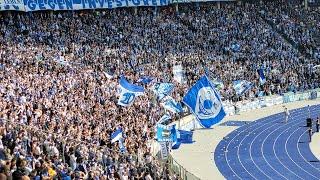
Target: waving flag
(116,136)
(164,118)
(121,146)
(178,73)
(171,105)
(262,78)
(128,92)
(175,144)
(242,86)
(108,75)
(162,89)
(183,137)
(166,133)
(218,84)
(205,103)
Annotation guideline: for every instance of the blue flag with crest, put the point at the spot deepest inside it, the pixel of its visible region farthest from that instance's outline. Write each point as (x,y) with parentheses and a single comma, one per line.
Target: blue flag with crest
(241,86)
(205,103)
(128,92)
(162,89)
(262,78)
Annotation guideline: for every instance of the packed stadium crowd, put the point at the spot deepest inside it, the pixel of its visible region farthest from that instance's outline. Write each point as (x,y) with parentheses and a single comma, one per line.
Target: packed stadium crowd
(58,108)
(299,24)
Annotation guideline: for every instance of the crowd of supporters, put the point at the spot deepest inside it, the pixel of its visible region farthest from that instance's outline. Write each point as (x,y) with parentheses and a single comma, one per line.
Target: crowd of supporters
(58,108)
(300,25)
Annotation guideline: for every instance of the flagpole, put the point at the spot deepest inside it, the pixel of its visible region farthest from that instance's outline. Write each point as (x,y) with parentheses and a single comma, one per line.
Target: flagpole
(194,123)
(179,119)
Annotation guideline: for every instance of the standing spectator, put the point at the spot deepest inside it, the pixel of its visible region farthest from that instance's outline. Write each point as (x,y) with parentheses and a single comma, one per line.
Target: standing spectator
(318,123)
(287,114)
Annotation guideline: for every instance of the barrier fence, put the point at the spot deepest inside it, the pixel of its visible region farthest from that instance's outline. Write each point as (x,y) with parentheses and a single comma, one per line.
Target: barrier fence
(183,173)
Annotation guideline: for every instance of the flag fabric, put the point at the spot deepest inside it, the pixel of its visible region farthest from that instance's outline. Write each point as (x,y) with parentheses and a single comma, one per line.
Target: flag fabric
(260,93)
(116,136)
(164,118)
(185,137)
(241,86)
(108,75)
(162,89)
(121,146)
(128,92)
(175,144)
(182,137)
(178,73)
(205,103)
(166,133)
(262,78)
(218,84)
(171,105)
(145,80)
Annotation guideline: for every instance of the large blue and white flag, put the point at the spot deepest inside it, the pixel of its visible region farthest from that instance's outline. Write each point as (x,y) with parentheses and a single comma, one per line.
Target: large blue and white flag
(128,92)
(171,105)
(205,103)
(164,118)
(262,78)
(116,136)
(241,86)
(162,89)
(166,133)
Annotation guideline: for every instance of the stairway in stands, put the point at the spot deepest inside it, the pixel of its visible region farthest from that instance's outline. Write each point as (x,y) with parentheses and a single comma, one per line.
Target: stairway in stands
(303,50)
(300,48)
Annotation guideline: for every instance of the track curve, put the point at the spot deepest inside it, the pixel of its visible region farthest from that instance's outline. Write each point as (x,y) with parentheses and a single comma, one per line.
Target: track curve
(268,148)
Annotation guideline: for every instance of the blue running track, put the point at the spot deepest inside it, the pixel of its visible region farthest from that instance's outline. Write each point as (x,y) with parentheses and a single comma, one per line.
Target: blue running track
(270,149)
